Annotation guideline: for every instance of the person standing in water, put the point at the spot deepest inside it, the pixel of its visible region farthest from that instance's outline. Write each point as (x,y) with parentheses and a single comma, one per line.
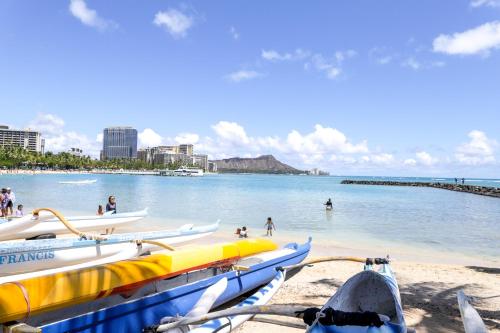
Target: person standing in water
(111,205)
(270,226)
(329,204)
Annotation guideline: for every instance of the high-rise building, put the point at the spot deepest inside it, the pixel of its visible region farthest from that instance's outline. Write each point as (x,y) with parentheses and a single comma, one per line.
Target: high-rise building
(201,161)
(27,139)
(119,142)
(186,149)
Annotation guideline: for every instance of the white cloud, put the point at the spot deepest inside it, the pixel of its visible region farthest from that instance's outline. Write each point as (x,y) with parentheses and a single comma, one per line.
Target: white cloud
(488,3)
(479,40)
(425,158)
(235,34)
(272,55)
(331,67)
(79,9)
(99,138)
(174,22)
(479,150)
(243,75)
(411,63)
(57,139)
(231,132)
(410,162)
(380,159)
(48,124)
(149,138)
(187,138)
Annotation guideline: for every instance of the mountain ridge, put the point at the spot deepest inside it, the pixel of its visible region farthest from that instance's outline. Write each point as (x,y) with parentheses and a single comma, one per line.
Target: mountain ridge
(261,164)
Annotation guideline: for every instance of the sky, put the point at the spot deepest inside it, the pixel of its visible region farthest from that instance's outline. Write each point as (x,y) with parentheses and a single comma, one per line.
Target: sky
(409,88)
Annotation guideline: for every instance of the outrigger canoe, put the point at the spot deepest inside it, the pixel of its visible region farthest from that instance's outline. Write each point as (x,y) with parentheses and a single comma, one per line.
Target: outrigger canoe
(32,225)
(48,293)
(45,254)
(368,297)
(254,266)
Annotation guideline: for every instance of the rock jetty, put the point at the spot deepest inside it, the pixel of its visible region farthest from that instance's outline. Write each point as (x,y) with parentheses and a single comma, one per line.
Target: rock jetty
(481,190)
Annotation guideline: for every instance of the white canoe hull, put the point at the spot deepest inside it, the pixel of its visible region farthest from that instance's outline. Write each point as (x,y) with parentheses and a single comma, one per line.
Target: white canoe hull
(28,226)
(19,265)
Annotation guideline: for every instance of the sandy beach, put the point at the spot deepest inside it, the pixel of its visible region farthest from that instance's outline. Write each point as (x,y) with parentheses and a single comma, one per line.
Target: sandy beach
(428,289)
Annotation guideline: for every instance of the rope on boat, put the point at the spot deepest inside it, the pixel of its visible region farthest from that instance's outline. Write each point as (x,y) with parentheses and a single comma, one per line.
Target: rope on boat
(277,310)
(324,259)
(68,224)
(152,242)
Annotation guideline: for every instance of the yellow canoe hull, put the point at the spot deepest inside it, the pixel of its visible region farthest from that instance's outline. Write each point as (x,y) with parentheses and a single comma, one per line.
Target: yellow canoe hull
(41,294)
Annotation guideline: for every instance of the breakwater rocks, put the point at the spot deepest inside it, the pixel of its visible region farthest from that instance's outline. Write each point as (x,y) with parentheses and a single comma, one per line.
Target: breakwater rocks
(481,190)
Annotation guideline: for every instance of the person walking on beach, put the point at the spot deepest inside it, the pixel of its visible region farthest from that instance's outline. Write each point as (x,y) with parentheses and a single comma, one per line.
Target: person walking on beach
(463,181)
(11,198)
(4,198)
(100,210)
(456,181)
(111,205)
(270,226)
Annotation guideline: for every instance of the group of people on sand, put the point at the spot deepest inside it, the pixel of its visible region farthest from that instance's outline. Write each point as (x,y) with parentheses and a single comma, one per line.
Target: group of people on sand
(270,226)
(7,201)
(110,206)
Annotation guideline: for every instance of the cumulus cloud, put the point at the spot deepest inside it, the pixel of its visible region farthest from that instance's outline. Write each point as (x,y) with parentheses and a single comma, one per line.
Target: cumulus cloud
(57,139)
(243,75)
(479,150)
(425,158)
(410,162)
(235,34)
(187,138)
(79,9)
(479,40)
(488,3)
(174,22)
(149,138)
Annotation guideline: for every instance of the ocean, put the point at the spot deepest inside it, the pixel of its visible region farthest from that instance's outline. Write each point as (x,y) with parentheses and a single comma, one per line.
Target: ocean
(419,219)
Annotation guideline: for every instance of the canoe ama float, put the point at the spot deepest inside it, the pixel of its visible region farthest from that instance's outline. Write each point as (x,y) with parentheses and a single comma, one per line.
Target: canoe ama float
(46,293)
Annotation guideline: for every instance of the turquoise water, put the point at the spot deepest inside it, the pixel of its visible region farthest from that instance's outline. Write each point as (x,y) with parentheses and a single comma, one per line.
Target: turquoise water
(421,218)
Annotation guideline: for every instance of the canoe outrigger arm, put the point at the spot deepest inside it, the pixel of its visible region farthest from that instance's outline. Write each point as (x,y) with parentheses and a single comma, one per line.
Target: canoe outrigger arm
(68,224)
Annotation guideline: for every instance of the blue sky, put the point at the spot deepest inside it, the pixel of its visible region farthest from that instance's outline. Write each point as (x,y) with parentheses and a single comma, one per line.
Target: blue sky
(354,87)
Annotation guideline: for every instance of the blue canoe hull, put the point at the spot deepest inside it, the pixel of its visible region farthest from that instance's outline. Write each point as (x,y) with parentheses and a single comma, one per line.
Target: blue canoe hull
(133,316)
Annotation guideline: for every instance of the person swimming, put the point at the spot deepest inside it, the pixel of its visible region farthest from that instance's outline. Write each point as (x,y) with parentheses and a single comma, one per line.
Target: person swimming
(329,204)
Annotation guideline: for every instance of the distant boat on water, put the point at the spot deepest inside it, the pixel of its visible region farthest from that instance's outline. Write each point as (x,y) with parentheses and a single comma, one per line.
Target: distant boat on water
(79,182)
(188,172)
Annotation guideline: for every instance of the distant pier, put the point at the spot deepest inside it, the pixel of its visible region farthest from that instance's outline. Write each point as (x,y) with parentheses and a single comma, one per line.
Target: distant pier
(480,190)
